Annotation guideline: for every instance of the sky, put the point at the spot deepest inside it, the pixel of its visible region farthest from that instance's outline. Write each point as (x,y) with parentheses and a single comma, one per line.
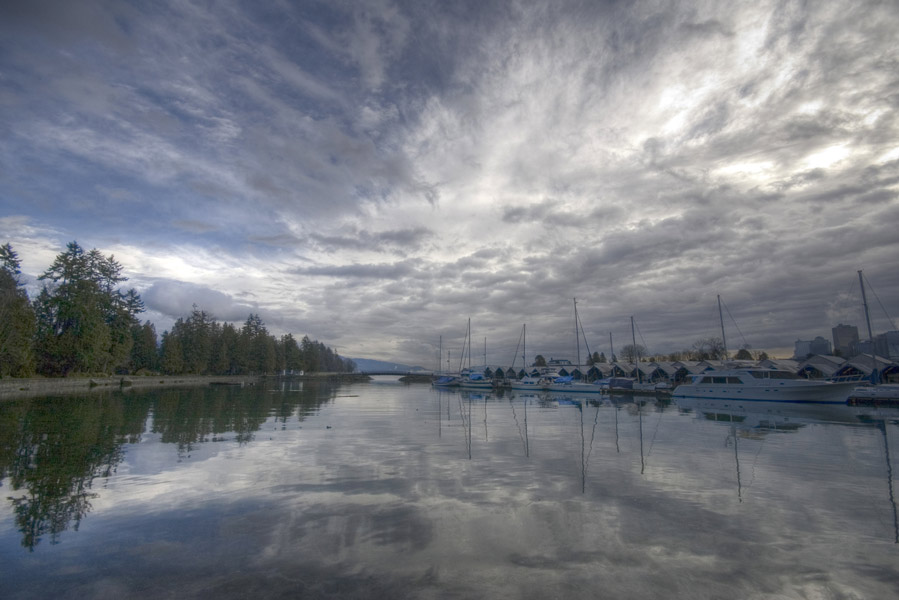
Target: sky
(373,174)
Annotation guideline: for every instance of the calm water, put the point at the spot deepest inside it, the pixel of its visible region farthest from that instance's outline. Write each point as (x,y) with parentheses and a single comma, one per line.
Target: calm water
(403,491)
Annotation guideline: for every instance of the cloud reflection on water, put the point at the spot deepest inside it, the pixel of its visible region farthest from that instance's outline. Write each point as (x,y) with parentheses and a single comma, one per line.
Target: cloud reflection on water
(387,502)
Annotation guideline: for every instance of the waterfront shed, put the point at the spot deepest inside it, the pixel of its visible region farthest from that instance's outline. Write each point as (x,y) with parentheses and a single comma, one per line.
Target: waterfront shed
(781,364)
(821,366)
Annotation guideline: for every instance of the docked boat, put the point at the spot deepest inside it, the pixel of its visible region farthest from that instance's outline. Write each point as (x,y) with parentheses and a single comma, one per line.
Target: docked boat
(763,384)
(569,384)
(527,383)
(885,392)
(477,381)
(468,378)
(875,390)
(616,383)
(447,381)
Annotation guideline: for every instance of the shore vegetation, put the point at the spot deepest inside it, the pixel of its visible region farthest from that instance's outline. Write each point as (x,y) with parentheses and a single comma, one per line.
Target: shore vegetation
(84,322)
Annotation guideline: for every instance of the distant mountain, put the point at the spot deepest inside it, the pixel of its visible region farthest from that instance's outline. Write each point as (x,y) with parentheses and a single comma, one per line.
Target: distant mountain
(368,364)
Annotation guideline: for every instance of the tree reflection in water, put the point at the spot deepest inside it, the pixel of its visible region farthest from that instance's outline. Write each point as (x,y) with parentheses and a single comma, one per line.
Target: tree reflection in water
(53,449)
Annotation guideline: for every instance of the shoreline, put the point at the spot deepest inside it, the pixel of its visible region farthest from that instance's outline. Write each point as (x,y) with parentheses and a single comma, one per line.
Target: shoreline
(13,389)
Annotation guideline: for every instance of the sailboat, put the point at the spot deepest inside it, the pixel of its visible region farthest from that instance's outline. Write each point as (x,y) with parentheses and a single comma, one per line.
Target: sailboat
(568,383)
(875,390)
(444,378)
(527,382)
(470,379)
(639,385)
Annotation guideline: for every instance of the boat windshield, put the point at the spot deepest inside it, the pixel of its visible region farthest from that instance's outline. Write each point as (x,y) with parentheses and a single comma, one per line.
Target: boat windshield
(720,379)
(773,375)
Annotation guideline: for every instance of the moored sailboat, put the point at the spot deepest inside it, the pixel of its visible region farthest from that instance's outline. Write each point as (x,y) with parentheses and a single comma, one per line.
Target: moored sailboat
(470,379)
(875,390)
(568,383)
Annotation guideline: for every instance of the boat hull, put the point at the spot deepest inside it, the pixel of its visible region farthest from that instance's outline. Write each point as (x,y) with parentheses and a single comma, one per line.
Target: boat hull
(574,387)
(813,392)
(876,392)
(476,385)
(526,386)
(446,381)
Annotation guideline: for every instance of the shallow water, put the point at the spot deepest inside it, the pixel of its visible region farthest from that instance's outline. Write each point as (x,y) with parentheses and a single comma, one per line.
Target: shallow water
(390,490)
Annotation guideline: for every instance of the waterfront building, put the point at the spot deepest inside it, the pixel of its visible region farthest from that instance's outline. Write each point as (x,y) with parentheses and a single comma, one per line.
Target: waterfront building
(803,348)
(887,344)
(821,366)
(686,369)
(665,370)
(863,364)
(845,339)
(781,364)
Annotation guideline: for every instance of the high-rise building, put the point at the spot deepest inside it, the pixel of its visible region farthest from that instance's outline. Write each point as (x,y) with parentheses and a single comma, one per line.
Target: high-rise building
(803,348)
(845,339)
(887,344)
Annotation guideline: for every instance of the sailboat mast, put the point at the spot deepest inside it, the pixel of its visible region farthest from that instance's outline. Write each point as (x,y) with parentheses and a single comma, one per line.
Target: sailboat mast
(721,318)
(634,340)
(611,348)
(861,281)
(874,376)
(469,344)
(467,340)
(577,338)
(524,349)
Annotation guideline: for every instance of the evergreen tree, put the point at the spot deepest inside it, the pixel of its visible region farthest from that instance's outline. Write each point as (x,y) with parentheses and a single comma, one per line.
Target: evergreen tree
(196,335)
(71,333)
(144,353)
(260,352)
(17,322)
(226,353)
(83,322)
(172,354)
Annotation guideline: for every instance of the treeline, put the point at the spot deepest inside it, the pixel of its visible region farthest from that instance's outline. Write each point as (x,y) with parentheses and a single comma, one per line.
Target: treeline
(82,322)
(201,345)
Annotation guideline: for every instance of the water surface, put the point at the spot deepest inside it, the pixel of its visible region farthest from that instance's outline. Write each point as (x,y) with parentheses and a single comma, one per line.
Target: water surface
(405,491)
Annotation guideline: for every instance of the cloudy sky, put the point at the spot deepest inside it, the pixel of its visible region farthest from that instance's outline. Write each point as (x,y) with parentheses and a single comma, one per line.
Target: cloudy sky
(372,174)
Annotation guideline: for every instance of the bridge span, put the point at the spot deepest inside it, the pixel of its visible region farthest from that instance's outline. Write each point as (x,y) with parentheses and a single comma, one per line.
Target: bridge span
(396,373)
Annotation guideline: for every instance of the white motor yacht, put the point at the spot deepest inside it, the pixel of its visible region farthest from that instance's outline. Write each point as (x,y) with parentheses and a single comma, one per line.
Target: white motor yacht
(763,384)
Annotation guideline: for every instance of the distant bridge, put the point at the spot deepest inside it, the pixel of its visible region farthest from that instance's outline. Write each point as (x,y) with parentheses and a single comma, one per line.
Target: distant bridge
(396,373)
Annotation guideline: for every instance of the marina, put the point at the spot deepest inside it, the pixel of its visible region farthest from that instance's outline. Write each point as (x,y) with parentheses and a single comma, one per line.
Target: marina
(384,489)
